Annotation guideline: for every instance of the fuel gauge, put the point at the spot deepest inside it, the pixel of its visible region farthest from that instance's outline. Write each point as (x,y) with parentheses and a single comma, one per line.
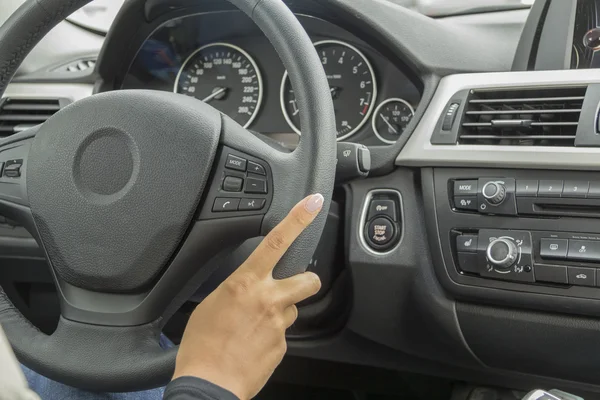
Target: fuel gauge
(391,118)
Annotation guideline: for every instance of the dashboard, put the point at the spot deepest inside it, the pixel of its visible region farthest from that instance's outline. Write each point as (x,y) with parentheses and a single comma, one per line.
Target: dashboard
(226,61)
(487,176)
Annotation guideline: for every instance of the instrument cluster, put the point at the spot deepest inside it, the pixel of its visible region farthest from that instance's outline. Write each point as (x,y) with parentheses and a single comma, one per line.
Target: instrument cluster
(241,76)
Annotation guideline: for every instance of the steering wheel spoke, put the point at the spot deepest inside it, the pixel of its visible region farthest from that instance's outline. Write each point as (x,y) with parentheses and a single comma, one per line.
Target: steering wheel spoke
(14,201)
(242,180)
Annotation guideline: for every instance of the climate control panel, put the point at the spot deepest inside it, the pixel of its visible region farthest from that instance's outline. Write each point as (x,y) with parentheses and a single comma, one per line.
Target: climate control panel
(517,237)
(496,254)
(555,258)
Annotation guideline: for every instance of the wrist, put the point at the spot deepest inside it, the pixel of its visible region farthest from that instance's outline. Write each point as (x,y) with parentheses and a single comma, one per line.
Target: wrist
(224,381)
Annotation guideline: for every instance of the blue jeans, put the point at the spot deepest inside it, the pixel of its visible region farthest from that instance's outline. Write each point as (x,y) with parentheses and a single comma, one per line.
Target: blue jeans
(52,390)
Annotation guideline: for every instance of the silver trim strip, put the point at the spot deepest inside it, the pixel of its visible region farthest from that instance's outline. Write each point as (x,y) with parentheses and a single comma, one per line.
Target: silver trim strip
(363,221)
(419,152)
(71,91)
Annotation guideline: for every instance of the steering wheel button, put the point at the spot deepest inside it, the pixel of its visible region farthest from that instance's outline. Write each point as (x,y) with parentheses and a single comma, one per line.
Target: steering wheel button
(256,186)
(12,169)
(237,163)
(226,205)
(233,184)
(252,204)
(256,168)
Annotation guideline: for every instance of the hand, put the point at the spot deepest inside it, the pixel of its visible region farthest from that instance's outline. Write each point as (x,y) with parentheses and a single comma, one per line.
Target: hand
(236,337)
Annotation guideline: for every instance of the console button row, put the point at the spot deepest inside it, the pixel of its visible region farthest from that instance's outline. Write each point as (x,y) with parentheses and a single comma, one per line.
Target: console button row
(570,249)
(230,204)
(556,188)
(577,276)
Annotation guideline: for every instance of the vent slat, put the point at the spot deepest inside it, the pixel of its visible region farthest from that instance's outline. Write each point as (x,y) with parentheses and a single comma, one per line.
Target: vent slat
(31,107)
(519,137)
(489,124)
(517,117)
(24,117)
(20,114)
(509,112)
(527,100)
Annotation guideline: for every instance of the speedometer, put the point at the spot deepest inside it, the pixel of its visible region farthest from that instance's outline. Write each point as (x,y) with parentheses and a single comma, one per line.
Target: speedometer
(351,82)
(226,77)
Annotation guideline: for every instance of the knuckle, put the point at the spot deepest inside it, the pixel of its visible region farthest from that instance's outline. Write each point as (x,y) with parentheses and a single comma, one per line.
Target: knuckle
(269,307)
(280,324)
(275,241)
(314,281)
(239,285)
(283,347)
(300,217)
(295,313)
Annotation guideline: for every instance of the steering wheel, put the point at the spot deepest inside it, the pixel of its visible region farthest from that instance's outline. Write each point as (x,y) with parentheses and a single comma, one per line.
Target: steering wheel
(124,192)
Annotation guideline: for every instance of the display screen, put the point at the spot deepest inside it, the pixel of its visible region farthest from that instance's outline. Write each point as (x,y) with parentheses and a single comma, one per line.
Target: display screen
(585,52)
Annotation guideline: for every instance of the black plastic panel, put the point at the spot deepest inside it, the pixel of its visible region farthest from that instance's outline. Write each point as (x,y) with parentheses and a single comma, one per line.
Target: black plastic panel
(531,342)
(572,300)
(396,298)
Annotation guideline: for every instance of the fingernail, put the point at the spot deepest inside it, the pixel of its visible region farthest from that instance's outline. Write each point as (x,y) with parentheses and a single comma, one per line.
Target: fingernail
(314,203)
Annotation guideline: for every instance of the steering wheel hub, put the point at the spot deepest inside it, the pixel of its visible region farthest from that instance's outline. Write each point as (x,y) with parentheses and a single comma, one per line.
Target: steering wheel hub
(92,171)
(106,162)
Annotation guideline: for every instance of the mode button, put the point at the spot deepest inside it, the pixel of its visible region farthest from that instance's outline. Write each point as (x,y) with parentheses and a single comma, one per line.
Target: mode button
(465,188)
(237,163)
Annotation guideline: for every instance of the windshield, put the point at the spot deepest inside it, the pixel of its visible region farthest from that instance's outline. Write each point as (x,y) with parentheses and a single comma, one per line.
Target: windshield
(99,14)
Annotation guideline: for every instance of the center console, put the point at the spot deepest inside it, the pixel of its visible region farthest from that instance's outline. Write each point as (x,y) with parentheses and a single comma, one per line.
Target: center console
(535,232)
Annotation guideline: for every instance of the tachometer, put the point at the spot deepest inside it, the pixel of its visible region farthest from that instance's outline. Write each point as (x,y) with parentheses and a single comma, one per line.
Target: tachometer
(352,84)
(226,77)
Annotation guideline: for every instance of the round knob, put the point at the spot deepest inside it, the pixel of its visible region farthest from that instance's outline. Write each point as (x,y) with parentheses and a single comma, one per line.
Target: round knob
(502,253)
(494,192)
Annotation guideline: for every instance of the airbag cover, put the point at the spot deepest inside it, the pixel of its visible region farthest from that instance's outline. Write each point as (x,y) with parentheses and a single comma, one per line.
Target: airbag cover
(114,181)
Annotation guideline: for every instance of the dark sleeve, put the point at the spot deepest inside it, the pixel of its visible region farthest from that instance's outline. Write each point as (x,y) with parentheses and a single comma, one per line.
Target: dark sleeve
(192,388)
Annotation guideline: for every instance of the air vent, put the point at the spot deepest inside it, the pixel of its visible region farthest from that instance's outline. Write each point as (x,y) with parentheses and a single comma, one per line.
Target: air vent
(522,117)
(19,114)
(78,66)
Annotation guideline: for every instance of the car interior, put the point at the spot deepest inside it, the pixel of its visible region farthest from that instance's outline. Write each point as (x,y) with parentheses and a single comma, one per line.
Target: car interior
(143,158)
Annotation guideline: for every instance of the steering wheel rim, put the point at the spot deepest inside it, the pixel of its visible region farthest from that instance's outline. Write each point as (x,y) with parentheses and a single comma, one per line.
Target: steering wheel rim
(116,319)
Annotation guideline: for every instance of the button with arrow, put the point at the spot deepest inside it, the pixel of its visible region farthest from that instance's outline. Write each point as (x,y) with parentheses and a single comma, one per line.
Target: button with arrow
(252,204)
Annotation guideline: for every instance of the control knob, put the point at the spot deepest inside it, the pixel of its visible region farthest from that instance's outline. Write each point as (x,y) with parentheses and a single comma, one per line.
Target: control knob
(502,253)
(494,192)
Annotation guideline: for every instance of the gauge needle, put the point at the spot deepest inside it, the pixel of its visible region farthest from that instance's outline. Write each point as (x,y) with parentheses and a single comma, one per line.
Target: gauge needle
(334,90)
(388,123)
(214,94)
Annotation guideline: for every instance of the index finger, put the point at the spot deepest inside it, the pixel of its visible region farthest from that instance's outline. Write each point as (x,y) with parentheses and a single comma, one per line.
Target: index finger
(276,243)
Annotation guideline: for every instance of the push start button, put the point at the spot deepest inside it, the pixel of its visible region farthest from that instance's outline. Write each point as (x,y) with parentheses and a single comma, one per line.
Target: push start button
(380,232)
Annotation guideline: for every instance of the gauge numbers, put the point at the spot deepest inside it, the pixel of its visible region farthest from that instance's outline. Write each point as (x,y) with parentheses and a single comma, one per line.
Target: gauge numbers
(352,85)
(226,77)
(391,118)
